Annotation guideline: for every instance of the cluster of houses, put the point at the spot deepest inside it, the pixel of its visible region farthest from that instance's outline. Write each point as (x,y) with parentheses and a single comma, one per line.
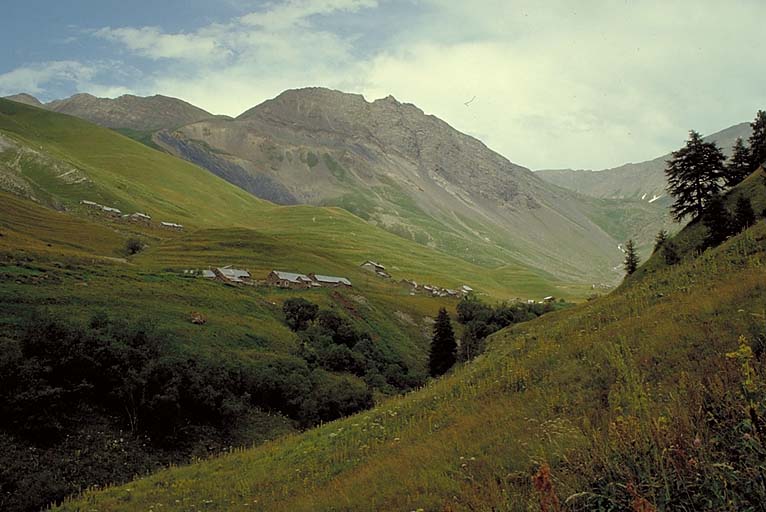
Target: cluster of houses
(138,217)
(437,291)
(376,268)
(276,278)
(295,280)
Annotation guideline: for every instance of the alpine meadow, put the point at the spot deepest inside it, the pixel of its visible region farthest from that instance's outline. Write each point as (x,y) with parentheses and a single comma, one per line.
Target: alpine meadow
(349,255)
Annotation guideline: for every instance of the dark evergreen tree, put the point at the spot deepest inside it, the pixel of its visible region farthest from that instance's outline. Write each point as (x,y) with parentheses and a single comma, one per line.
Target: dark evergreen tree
(660,240)
(758,141)
(738,166)
(744,215)
(443,345)
(631,258)
(694,174)
(718,222)
(670,253)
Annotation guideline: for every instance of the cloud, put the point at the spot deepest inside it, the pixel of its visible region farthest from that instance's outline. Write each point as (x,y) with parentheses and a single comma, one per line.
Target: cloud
(281,16)
(590,84)
(151,42)
(35,78)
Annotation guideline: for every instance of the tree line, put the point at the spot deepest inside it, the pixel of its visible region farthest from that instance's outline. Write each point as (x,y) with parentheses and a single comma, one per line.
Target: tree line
(479,320)
(328,340)
(698,174)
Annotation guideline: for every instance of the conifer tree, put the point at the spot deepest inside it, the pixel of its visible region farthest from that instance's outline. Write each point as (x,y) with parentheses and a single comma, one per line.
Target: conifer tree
(738,166)
(758,141)
(694,173)
(744,215)
(443,345)
(670,253)
(631,258)
(660,239)
(718,222)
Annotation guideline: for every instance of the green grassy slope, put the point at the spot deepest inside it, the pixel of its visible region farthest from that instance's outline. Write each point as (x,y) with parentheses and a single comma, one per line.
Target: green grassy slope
(631,400)
(125,174)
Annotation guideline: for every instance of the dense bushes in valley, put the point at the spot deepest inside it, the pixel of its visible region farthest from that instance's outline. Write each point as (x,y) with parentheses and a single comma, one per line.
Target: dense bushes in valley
(329,341)
(125,401)
(479,320)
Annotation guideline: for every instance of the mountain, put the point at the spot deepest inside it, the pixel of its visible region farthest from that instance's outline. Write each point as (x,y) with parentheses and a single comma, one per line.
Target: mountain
(27,99)
(651,398)
(131,112)
(643,181)
(59,161)
(62,258)
(410,173)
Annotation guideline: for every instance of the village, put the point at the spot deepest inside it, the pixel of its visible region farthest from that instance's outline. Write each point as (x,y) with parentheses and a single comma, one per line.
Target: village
(296,280)
(137,217)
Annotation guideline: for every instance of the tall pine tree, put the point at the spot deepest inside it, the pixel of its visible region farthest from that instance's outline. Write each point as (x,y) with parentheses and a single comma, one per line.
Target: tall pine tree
(744,216)
(718,222)
(660,240)
(694,173)
(631,258)
(758,141)
(443,345)
(738,166)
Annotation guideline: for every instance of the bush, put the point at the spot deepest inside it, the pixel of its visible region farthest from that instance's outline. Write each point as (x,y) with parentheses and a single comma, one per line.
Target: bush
(299,313)
(133,246)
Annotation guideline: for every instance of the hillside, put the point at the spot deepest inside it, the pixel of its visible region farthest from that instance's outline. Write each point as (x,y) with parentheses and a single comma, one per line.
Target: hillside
(65,261)
(644,181)
(651,398)
(394,167)
(412,174)
(134,113)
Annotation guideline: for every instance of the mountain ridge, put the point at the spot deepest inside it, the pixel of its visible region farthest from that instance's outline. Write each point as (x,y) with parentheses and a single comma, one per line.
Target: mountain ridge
(644,181)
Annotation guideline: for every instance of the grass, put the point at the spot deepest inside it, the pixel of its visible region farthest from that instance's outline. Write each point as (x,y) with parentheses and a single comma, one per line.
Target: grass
(132,177)
(604,394)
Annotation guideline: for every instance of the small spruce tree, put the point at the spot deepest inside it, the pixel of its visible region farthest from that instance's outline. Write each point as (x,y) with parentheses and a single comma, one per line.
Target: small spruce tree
(744,215)
(758,141)
(660,240)
(670,253)
(694,175)
(738,166)
(443,346)
(631,258)
(718,222)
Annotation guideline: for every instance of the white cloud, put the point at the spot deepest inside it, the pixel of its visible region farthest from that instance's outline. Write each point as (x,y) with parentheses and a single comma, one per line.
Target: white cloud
(34,78)
(590,84)
(153,43)
(287,14)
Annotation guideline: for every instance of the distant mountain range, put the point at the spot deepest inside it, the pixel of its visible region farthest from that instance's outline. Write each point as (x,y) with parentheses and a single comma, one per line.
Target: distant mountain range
(126,112)
(644,181)
(394,166)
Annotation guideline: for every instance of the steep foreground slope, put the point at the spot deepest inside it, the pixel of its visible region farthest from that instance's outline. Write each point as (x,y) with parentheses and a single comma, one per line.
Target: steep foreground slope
(411,173)
(644,181)
(653,397)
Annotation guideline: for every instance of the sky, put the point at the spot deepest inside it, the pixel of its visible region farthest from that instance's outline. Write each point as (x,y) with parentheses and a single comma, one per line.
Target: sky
(549,84)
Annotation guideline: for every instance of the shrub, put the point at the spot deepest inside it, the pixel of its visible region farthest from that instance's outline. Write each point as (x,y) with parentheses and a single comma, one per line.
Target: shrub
(133,246)
(299,313)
